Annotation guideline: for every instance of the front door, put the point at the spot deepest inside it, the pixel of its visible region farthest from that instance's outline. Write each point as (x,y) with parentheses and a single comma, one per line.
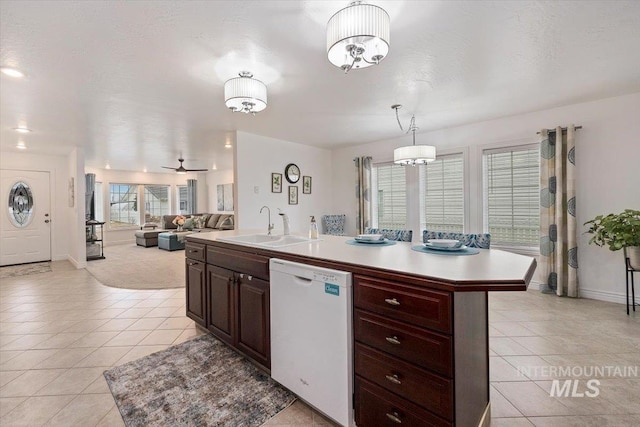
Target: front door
(26,221)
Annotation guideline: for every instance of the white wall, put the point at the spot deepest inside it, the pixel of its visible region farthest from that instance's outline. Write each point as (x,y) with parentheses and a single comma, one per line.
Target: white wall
(608,179)
(256,158)
(106,176)
(58,168)
(76,213)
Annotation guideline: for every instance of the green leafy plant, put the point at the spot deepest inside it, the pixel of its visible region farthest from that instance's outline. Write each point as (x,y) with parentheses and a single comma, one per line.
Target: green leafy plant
(616,230)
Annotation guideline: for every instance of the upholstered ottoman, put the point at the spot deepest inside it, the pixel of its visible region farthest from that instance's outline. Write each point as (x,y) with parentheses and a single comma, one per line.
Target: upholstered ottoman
(171,241)
(147,238)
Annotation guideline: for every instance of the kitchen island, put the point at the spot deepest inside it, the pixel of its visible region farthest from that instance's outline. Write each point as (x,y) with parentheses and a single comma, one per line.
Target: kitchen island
(420,323)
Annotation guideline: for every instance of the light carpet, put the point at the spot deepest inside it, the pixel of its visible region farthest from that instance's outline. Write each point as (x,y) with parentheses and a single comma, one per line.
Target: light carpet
(200,382)
(24,269)
(136,267)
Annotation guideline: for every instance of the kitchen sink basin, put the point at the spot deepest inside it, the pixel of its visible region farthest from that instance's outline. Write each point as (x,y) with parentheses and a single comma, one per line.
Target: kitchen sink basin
(265,240)
(287,240)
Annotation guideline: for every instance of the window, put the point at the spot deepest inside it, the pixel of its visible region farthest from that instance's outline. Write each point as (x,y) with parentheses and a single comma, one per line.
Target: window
(123,205)
(389,202)
(512,195)
(442,194)
(156,203)
(182,199)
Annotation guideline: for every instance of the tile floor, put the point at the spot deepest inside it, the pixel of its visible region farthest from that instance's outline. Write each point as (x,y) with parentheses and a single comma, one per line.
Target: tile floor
(59,331)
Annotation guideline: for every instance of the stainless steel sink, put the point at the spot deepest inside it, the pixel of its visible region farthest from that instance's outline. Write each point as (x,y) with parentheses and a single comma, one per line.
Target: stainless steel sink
(265,240)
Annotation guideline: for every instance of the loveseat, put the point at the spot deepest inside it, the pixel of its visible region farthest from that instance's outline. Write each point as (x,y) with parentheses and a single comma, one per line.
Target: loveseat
(147,236)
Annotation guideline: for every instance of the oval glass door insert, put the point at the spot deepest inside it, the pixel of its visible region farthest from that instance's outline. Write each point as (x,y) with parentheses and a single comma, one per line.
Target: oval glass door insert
(20,204)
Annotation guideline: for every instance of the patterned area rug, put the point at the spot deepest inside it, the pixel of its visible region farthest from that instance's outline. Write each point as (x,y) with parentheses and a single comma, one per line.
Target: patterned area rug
(24,269)
(200,382)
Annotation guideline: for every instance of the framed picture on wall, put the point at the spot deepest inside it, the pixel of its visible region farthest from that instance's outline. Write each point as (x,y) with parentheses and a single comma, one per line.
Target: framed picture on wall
(276,182)
(293,194)
(306,185)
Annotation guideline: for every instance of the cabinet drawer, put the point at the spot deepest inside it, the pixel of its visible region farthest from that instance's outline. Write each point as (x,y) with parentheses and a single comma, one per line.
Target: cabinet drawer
(418,385)
(422,307)
(416,345)
(247,263)
(376,407)
(195,251)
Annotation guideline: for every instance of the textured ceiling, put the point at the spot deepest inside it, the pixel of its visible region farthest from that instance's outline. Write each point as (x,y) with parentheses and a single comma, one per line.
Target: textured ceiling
(140,83)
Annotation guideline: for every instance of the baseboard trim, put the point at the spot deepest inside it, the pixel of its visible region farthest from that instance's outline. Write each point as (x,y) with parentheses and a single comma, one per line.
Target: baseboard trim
(77,264)
(608,296)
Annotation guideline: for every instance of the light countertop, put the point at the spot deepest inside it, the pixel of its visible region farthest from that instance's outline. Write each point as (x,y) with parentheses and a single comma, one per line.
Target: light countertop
(490,266)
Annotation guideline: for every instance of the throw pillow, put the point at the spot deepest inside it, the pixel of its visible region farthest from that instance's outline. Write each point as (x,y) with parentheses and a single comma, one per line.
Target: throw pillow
(227,224)
(213,220)
(199,221)
(189,224)
(221,220)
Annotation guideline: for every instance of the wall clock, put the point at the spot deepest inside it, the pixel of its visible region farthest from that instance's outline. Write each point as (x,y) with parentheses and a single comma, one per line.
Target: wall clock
(292,173)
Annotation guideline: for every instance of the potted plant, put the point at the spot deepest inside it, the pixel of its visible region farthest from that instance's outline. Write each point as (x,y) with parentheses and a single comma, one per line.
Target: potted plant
(618,231)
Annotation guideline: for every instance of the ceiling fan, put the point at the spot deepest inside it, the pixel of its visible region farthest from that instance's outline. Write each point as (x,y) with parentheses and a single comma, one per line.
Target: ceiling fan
(182,170)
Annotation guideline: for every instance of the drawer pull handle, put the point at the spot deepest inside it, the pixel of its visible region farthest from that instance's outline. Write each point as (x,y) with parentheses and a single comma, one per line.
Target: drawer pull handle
(393,340)
(391,301)
(193,251)
(394,379)
(192,263)
(395,417)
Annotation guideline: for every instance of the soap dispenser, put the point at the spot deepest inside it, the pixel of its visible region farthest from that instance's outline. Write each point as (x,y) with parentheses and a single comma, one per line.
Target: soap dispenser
(313,228)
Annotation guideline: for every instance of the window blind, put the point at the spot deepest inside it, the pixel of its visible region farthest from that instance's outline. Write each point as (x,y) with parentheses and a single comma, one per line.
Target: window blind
(441,186)
(389,196)
(512,196)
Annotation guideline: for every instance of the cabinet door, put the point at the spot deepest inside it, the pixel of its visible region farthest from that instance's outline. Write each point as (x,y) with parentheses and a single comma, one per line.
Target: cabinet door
(253,318)
(220,299)
(195,291)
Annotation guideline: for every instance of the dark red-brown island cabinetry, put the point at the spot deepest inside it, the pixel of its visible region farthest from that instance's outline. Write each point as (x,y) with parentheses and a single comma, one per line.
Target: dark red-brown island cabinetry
(421,355)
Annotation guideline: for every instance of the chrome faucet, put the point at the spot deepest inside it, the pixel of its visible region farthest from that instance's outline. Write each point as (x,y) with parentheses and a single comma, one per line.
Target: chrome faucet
(269,225)
(285,223)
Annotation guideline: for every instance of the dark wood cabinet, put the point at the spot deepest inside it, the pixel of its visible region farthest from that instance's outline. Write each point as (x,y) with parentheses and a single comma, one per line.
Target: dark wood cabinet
(421,354)
(253,318)
(229,302)
(195,290)
(221,303)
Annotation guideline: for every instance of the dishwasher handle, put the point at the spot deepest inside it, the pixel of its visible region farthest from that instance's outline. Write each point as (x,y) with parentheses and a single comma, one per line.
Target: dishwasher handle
(302,281)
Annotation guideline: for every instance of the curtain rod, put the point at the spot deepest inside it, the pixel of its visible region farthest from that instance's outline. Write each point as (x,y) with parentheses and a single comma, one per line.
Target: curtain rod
(563,129)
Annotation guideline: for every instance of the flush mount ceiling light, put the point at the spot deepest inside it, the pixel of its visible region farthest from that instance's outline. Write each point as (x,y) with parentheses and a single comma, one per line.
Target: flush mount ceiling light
(245,94)
(22,129)
(12,72)
(21,145)
(358,36)
(412,154)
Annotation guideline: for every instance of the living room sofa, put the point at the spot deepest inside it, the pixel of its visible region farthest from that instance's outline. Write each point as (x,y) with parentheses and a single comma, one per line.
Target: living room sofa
(147,236)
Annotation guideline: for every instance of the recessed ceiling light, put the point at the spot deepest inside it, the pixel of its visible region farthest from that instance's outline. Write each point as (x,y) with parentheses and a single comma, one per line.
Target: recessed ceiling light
(22,129)
(21,145)
(214,167)
(107,166)
(144,170)
(12,72)
(227,145)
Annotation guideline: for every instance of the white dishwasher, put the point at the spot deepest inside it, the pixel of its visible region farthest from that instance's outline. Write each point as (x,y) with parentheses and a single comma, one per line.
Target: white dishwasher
(311,336)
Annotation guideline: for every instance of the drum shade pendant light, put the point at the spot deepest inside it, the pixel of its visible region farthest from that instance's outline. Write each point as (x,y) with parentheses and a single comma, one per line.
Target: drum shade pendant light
(358,36)
(412,154)
(245,94)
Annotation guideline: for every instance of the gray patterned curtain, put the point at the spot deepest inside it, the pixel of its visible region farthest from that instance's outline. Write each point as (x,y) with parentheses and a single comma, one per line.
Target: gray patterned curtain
(363,192)
(558,242)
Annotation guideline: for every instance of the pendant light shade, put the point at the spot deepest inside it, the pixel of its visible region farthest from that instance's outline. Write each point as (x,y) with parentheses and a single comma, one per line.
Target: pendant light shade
(358,36)
(245,94)
(414,154)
